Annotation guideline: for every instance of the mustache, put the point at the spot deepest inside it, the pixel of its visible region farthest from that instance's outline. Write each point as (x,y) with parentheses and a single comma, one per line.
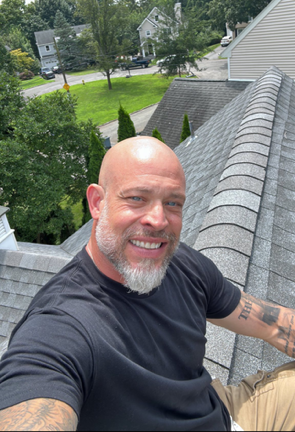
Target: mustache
(130,233)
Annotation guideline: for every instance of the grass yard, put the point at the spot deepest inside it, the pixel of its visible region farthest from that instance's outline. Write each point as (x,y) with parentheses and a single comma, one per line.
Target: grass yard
(97,102)
(34,82)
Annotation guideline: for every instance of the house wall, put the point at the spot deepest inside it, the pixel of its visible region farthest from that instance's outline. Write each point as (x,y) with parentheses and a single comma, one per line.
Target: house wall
(48,57)
(270,43)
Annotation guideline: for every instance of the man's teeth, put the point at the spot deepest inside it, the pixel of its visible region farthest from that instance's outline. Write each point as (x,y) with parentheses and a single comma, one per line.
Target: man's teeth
(146,245)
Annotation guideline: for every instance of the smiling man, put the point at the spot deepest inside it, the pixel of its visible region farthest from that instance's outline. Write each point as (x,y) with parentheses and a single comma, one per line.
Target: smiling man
(116,340)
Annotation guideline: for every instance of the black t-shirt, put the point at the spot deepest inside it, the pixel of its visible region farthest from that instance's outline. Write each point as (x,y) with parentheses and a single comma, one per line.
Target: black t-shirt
(120,360)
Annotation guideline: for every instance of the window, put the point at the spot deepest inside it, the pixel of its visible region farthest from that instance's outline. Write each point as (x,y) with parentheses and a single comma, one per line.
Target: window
(156,18)
(148,33)
(47,48)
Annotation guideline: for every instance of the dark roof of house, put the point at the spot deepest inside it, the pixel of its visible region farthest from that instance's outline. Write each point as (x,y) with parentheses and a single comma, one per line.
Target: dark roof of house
(45,37)
(240,212)
(200,99)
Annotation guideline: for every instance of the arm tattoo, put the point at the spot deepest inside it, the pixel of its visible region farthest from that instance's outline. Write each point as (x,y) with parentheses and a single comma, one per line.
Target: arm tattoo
(39,414)
(279,320)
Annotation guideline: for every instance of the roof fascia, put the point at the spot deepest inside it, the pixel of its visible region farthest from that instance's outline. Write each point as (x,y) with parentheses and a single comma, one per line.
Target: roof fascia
(250,27)
(147,18)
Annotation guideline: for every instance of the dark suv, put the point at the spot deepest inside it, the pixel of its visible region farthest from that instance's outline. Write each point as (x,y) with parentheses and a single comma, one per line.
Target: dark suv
(46,73)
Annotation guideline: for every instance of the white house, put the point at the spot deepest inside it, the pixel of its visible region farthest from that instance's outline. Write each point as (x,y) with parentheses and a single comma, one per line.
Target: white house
(46,48)
(151,24)
(269,40)
(7,238)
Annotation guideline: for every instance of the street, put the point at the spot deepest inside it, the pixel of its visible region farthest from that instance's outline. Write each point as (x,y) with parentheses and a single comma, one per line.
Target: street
(211,68)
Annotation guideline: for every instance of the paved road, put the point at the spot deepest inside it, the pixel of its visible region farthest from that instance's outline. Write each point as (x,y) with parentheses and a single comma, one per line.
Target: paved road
(210,68)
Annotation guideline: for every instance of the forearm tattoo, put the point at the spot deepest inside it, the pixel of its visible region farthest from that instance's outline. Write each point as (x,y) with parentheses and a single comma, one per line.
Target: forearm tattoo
(37,415)
(275,316)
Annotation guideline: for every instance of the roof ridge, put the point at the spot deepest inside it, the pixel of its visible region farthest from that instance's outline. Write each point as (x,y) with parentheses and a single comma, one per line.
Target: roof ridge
(241,185)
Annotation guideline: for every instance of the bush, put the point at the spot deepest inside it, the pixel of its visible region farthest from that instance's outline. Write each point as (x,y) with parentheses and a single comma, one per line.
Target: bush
(156,134)
(26,75)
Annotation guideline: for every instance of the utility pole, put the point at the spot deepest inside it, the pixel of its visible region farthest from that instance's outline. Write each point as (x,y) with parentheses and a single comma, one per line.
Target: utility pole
(66,85)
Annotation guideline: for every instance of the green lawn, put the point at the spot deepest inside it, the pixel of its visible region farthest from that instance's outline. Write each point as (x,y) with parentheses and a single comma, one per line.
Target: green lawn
(97,102)
(34,82)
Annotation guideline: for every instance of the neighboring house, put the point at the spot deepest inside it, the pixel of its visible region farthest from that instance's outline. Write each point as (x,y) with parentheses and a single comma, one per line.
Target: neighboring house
(268,41)
(200,99)
(240,212)
(46,48)
(151,24)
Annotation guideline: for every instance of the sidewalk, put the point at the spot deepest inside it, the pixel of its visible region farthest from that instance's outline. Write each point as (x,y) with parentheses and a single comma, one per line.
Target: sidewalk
(139,118)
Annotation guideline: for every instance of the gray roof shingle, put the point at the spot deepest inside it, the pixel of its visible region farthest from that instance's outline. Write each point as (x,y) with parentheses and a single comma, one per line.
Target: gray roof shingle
(200,99)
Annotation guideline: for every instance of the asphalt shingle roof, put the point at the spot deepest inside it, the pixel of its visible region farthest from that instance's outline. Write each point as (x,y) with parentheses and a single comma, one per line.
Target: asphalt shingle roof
(200,99)
(240,212)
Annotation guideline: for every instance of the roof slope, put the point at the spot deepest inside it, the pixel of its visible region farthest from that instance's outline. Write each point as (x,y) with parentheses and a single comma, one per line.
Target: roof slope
(235,173)
(199,99)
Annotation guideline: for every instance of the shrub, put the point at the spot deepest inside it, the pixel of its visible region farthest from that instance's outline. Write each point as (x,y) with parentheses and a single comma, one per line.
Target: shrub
(26,75)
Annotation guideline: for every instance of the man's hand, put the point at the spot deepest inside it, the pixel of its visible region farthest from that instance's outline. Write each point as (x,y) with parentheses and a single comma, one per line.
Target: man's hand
(267,321)
(37,415)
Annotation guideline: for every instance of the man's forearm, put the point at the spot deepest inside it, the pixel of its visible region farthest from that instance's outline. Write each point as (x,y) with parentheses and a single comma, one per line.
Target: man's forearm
(37,415)
(280,322)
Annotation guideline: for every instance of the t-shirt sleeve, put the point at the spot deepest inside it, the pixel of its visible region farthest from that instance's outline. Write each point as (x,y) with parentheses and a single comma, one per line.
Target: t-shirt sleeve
(48,357)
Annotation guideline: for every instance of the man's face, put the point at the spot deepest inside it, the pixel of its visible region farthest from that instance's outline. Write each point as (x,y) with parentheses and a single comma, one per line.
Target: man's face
(139,227)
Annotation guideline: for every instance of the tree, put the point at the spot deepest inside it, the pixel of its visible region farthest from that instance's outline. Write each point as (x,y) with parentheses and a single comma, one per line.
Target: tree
(180,44)
(11,103)
(16,40)
(7,63)
(107,24)
(156,134)
(96,155)
(234,11)
(185,133)
(126,127)
(23,61)
(46,9)
(12,13)
(43,166)
(67,42)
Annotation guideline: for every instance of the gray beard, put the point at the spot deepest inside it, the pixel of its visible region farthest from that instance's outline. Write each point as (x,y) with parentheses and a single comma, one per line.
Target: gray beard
(143,278)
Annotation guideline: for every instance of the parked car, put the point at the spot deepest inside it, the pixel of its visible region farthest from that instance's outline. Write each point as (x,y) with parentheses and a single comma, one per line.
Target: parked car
(135,62)
(47,73)
(166,60)
(56,70)
(226,40)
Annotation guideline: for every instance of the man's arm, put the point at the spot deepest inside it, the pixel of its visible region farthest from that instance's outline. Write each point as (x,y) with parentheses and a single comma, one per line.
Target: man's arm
(263,320)
(37,415)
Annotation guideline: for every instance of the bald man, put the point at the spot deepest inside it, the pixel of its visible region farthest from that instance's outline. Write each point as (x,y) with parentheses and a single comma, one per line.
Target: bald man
(116,340)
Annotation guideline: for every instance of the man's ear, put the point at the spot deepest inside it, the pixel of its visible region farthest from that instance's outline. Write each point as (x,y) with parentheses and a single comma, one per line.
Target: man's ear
(95,196)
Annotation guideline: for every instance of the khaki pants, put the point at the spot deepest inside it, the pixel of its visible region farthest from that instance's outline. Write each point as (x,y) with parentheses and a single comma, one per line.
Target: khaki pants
(262,402)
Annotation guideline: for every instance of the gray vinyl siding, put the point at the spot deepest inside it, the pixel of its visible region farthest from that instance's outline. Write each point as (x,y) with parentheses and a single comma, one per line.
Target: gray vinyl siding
(270,43)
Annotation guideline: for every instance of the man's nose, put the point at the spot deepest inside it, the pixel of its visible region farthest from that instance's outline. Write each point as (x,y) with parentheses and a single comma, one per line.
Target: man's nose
(155,217)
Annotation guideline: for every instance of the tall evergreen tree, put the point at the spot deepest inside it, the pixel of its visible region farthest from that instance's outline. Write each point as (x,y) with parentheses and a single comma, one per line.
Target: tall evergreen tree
(126,127)
(94,161)
(185,129)
(156,134)
(66,41)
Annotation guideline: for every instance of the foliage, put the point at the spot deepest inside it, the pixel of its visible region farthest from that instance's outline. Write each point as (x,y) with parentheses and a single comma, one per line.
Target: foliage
(23,61)
(67,42)
(42,163)
(12,13)
(126,127)
(96,155)
(16,39)
(234,11)
(107,19)
(26,75)
(156,134)
(180,44)
(185,133)
(6,61)
(46,10)
(11,102)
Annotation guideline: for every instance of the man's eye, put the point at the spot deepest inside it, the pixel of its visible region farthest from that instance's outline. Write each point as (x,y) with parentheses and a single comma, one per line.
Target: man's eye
(135,198)
(172,204)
